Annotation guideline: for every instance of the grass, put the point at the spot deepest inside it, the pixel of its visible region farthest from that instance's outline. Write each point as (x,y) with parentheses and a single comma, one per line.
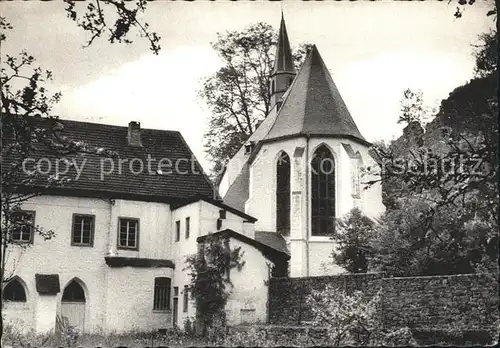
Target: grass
(12,337)
(250,336)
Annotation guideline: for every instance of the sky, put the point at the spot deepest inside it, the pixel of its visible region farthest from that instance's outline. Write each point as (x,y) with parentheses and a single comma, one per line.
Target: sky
(374,50)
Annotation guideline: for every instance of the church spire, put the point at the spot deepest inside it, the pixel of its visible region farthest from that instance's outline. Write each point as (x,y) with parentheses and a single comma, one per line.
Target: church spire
(283,72)
(283,61)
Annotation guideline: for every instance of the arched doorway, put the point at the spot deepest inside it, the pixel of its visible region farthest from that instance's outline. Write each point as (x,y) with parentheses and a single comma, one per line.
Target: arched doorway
(73,305)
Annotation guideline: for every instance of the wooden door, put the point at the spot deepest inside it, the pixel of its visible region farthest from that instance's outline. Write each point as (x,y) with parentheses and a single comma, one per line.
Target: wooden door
(75,314)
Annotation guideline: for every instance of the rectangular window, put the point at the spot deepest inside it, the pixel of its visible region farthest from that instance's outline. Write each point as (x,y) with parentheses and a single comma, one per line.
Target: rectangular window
(186,299)
(23,223)
(128,233)
(222,214)
(355,183)
(162,294)
(176,291)
(82,233)
(187,227)
(355,178)
(177,230)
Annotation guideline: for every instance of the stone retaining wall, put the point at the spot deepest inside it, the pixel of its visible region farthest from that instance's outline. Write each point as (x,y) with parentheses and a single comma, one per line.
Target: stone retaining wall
(458,302)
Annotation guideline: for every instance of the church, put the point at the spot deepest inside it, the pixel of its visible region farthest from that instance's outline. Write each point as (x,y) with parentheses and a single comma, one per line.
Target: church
(122,233)
(305,161)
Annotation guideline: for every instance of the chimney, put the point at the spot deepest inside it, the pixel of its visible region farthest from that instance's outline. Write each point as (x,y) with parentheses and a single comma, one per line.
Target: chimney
(134,134)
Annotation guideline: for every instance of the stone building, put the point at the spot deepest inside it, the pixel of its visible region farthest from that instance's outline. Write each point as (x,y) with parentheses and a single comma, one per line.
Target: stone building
(123,226)
(304,161)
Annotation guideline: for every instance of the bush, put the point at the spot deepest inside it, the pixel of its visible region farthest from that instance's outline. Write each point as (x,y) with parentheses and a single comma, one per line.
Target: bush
(13,336)
(353,319)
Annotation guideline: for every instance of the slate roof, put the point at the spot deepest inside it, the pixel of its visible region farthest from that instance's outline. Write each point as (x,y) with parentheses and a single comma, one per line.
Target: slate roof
(268,251)
(237,194)
(217,203)
(272,239)
(283,59)
(172,184)
(313,105)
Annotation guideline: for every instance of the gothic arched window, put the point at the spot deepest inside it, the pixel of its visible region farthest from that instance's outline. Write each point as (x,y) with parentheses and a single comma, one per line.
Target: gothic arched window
(73,293)
(283,194)
(14,291)
(322,192)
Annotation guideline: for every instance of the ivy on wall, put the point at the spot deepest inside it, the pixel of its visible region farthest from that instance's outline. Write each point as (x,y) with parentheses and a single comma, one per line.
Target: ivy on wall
(210,285)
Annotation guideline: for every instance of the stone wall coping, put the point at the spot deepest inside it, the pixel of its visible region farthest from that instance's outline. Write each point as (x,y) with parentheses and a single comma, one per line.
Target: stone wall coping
(466,275)
(336,276)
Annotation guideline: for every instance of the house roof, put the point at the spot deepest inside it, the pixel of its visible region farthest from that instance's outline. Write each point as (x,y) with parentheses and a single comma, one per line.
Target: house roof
(272,239)
(283,61)
(237,193)
(217,203)
(181,176)
(268,251)
(313,106)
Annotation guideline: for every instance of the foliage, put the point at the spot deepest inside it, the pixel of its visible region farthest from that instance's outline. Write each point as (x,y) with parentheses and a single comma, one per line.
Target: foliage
(210,285)
(68,334)
(463,4)
(13,337)
(416,240)
(352,319)
(267,336)
(95,20)
(253,337)
(238,93)
(412,108)
(352,235)
(28,127)
(441,184)
(486,54)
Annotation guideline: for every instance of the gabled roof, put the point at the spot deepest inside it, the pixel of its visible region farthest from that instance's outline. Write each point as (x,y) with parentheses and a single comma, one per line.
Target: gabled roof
(283,60)
(237,193)
(313,106)
(269,252)
(272,239)
(218,204)
(98,178)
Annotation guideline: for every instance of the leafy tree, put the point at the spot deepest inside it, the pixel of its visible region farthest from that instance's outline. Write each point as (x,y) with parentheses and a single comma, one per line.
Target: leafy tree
(96,20)
(448,171)
(412,107)
(417,240)
(238,93)
(28,124)
(486,54)
(352,235)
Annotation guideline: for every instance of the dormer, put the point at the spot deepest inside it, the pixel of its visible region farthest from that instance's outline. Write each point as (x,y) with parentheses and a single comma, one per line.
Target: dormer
(249,147)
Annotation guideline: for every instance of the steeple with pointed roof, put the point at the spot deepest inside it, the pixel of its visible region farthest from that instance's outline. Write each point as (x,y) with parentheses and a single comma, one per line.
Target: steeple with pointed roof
(283,71)
(313,106)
